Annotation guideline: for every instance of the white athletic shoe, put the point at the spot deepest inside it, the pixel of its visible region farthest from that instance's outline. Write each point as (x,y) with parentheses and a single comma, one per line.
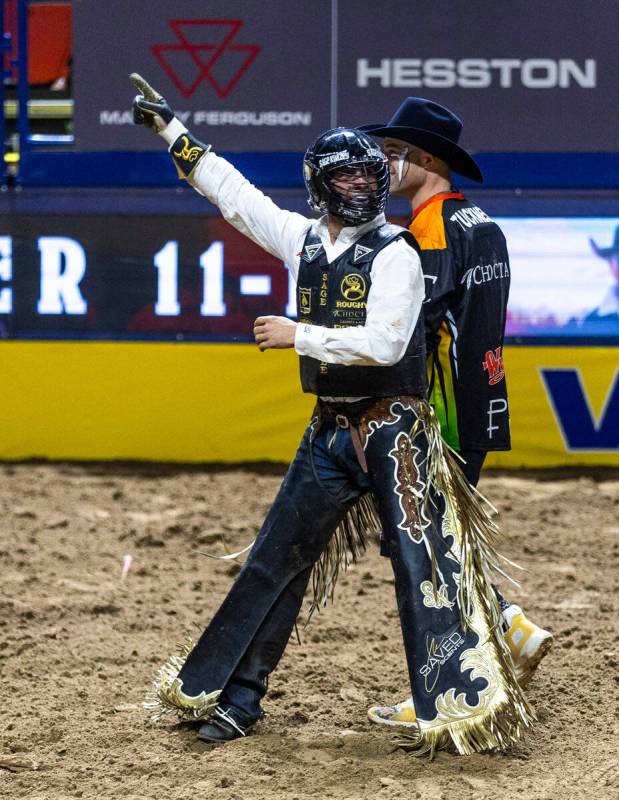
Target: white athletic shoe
(402,715)
(528,643)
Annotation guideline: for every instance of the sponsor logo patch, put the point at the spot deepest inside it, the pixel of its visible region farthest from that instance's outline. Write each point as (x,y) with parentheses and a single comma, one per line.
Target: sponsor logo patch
(353,286)
(477,73)
(310,251)
(187,152)
(493,365)
(439,649)
(209,52)
(496,406)
(484,273)
(305,300)
(360,251)
(581,428)
(324,288)
(333,158)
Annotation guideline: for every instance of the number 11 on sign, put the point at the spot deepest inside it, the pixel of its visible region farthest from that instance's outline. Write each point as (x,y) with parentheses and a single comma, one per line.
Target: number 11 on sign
(212,263)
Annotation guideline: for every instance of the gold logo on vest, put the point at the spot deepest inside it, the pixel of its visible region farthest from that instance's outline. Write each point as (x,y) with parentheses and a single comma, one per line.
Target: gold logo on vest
(353,286)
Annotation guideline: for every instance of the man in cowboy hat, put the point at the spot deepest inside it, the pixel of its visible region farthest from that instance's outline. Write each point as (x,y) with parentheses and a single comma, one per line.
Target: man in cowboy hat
(466,269)
(608,309)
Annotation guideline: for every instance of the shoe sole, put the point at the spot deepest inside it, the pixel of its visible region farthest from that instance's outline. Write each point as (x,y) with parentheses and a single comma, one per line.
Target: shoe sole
(208,740)
(392,723)
(228,736)
(525,671)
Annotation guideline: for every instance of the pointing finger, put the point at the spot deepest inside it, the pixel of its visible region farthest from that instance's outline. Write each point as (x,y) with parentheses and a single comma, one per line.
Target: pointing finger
(144,88)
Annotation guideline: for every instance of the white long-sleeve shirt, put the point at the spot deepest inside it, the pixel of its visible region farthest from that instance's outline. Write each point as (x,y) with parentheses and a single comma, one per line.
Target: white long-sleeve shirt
(397,289)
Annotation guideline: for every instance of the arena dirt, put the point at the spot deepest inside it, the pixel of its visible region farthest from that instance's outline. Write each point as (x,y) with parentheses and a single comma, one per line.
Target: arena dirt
(79,645)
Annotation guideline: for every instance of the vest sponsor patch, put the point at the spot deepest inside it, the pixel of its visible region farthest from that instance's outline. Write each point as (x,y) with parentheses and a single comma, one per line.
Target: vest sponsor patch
(353,286)
(311,250)
(324,288)
(360,251)
(350,304)
(305,300)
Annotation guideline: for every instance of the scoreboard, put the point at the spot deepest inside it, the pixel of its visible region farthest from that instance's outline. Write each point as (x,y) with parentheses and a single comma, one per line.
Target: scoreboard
(135,277)
(195,278)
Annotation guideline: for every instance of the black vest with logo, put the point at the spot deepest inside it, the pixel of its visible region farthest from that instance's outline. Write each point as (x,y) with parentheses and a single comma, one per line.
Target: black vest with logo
(334,295)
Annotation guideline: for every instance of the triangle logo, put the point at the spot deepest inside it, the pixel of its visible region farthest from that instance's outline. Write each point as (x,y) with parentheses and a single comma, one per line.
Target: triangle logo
(311,250)
(360,251)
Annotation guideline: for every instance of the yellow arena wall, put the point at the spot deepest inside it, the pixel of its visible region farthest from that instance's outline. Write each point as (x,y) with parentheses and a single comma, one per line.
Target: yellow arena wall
(231,403)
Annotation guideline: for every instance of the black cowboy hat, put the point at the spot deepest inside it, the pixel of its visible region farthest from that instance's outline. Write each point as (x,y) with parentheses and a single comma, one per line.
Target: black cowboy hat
(607,252)
(433,128)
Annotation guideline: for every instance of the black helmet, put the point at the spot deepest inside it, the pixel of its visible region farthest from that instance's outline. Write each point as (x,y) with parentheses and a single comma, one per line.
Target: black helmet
(342,151)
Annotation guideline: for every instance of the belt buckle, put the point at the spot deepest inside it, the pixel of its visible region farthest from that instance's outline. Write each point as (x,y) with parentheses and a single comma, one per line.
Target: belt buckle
(341,421)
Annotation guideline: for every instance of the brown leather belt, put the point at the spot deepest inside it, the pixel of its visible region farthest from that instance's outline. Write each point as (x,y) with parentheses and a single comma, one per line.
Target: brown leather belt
(346,416)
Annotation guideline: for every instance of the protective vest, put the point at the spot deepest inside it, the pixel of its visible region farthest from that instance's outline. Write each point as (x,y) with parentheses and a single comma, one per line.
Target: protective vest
(334,295)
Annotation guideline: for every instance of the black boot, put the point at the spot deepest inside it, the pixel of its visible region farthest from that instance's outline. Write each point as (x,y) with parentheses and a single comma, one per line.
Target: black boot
(225,726)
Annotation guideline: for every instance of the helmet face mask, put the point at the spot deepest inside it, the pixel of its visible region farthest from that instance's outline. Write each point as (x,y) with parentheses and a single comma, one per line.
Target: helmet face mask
(347,176)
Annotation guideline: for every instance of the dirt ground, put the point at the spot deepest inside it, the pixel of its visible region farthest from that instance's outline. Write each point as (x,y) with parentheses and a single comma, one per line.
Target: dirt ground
(79,645)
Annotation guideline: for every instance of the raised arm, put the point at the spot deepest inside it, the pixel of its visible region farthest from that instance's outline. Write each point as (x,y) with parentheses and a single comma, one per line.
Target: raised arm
(276,230)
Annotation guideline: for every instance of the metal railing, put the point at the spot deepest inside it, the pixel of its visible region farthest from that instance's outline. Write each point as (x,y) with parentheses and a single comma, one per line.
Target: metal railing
(40,109)
(22,108)
(26,138)
(6,45)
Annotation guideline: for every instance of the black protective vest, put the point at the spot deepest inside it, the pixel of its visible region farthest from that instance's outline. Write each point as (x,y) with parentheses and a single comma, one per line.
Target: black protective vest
(335,296)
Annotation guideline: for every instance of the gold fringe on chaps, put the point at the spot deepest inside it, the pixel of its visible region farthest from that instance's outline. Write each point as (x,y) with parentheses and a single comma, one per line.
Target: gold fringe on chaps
(167,697)
(504,711)
(501,719)
(349,541)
